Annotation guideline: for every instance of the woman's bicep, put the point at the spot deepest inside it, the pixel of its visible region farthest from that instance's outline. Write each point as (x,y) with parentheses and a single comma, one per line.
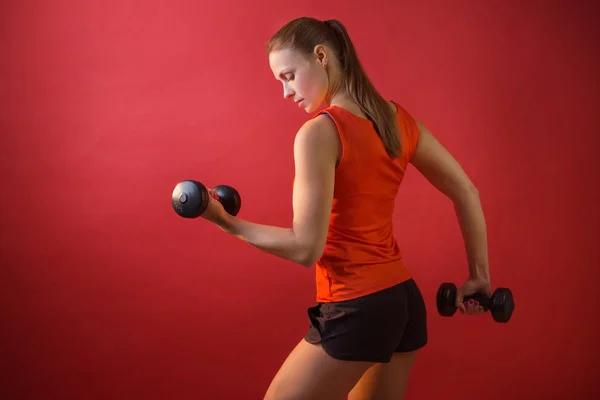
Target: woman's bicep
(315,154)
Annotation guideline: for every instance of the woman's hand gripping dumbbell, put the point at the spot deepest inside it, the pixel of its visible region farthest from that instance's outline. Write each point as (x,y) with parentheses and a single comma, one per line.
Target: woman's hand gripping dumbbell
(500,303)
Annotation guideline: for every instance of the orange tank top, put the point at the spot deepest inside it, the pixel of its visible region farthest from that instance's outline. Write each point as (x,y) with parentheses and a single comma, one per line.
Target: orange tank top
(361,254)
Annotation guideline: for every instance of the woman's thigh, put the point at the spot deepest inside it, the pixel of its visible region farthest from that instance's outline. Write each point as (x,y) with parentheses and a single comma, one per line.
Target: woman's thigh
(310,373)
(385,381)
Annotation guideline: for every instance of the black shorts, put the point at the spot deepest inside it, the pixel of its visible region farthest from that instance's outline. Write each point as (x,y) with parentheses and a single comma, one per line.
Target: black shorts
(372,327)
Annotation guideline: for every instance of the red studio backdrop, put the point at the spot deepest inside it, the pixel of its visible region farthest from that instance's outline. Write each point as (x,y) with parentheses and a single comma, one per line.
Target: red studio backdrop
(106,105)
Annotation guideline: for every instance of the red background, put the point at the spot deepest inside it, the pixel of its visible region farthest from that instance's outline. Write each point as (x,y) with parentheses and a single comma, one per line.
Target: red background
(106,105)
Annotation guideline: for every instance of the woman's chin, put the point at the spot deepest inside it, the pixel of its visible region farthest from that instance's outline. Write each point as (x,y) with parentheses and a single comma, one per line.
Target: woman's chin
(309,108)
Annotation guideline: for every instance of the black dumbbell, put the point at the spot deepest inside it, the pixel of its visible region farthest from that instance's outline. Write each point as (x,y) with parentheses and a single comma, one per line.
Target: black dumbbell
(190,199)
(501,304)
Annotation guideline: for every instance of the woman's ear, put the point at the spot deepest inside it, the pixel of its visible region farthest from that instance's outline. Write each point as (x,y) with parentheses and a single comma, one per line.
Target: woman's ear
(322,54)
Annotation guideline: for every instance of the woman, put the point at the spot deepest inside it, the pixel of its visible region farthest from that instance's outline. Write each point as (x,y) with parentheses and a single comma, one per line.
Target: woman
(350,159)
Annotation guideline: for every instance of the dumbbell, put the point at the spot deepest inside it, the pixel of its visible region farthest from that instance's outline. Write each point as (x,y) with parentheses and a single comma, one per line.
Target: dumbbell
(190,199)
(501,303)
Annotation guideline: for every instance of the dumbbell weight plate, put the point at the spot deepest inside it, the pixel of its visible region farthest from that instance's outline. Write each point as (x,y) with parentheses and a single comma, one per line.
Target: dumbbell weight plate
(446,297)
(503,305)
(190,199)
(230,198)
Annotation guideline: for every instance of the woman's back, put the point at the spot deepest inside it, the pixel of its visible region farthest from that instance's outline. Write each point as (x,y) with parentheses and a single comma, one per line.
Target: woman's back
(361,254)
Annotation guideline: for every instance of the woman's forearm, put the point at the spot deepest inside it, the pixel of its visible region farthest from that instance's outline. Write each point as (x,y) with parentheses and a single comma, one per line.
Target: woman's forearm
(281,242)
(473,228)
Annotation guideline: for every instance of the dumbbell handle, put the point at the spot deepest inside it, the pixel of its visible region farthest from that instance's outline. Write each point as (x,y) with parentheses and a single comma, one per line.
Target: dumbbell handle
(483,300)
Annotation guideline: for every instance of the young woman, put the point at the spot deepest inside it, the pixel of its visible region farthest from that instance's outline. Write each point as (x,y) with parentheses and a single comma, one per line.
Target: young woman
(350,158)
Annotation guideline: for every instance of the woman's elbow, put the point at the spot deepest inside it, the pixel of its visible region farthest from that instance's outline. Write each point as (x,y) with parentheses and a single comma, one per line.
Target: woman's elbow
(308,260)
(472,190)
(307,263)
(311,255)
(467,195)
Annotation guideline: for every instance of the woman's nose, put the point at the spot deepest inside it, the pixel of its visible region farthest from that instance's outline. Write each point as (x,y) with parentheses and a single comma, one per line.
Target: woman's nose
(287,92)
